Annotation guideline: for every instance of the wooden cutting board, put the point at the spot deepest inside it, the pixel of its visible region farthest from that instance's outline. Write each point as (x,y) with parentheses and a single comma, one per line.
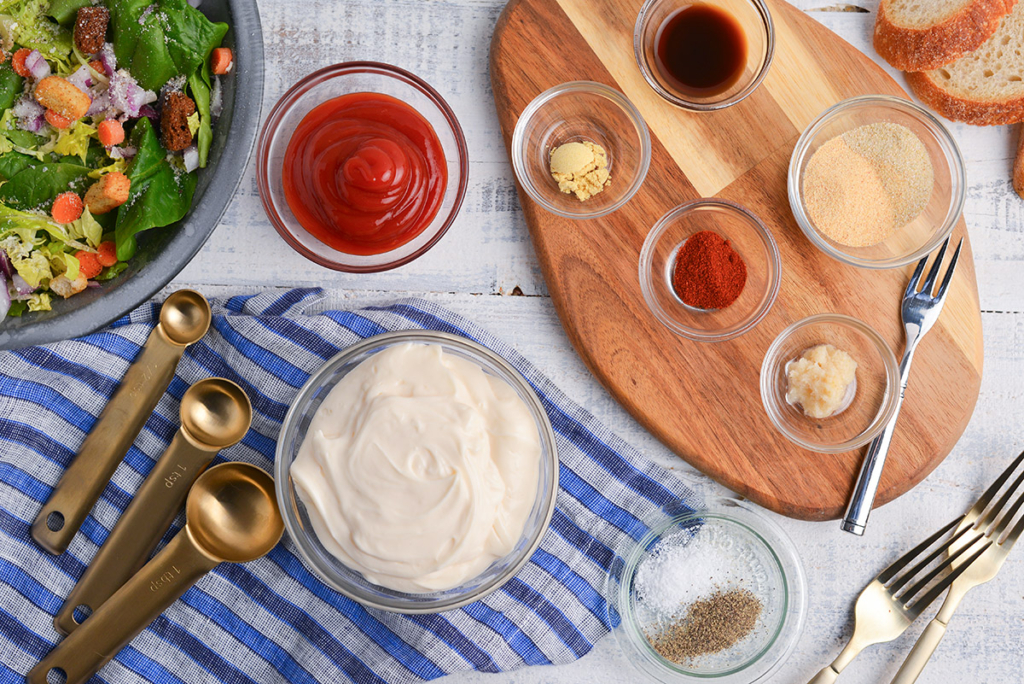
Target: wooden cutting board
(703,400)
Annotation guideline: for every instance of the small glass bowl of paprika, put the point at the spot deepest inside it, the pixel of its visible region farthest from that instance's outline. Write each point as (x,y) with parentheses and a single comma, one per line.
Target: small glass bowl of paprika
(362,167)
(710,270)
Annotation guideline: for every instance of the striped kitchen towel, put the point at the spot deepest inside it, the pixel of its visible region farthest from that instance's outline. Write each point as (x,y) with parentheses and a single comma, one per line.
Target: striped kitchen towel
(271,620)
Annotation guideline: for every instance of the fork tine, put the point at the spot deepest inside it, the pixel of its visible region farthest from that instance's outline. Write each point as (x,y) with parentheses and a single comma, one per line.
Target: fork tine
(933,275)
(949,272)
(915,279)
(1014,535)
(1006,518)
(923,602)
(909,556)
(997,509)
(925,562)
(932,574)
(990,493)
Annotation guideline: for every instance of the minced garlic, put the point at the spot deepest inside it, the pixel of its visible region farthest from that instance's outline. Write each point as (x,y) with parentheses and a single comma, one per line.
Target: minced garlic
(580,168)
(822,381)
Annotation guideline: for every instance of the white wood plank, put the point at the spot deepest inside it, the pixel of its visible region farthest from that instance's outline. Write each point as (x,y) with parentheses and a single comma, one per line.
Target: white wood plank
(446,42)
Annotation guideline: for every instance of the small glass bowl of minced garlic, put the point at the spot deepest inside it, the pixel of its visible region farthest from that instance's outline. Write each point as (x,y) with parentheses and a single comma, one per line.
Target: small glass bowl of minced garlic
(830,383)
(581,150)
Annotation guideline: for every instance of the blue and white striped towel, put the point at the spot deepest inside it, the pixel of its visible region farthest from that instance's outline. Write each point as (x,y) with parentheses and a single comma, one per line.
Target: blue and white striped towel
(271,620)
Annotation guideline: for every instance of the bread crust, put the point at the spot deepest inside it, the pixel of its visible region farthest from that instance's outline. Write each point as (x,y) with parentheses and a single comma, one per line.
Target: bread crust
(1018,165)
(910,49)
(956,108)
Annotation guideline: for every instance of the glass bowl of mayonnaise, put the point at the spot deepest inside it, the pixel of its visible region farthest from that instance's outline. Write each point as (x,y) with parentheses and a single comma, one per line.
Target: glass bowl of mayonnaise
(416,472)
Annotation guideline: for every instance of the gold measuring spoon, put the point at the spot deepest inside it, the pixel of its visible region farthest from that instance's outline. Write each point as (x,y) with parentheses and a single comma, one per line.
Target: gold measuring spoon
(232,516)
(184,319)
(215,414)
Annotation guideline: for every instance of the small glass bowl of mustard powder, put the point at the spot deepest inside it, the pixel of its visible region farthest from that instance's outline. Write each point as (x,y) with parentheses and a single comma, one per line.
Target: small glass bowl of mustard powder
(809,361)
(876,182)
(581,150)
(742,234)
(715,594)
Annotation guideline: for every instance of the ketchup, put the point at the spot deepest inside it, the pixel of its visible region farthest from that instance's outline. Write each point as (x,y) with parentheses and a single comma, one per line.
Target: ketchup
(364,173)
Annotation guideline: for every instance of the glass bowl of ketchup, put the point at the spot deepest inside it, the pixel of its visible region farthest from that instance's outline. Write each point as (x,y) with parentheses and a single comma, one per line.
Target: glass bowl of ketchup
(362,167)
(704,55)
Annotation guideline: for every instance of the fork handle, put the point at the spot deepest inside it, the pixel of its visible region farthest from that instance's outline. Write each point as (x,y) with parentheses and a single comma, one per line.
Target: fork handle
(826,676)
(913,666)
(863,498)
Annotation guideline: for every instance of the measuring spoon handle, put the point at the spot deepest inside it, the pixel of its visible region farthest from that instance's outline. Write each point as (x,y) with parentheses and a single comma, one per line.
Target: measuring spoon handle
(139,529)
(132,607)
(105,446)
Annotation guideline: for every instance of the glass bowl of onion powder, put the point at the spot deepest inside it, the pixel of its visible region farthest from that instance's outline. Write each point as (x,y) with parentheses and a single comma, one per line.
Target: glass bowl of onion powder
(876,182)
(713,594)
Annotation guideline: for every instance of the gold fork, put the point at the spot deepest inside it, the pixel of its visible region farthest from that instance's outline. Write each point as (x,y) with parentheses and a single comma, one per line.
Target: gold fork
(884,610)
(994,524)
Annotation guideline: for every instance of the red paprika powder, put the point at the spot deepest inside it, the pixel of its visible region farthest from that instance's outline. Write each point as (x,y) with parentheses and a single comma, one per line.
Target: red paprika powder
(709,273)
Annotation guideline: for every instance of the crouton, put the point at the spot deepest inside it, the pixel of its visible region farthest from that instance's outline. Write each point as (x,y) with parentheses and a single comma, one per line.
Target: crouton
(175,109)
(108,193)
(59,95)
(66,287)
(91,29)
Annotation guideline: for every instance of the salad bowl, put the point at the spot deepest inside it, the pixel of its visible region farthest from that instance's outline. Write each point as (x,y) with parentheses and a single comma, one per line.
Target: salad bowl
(163,252)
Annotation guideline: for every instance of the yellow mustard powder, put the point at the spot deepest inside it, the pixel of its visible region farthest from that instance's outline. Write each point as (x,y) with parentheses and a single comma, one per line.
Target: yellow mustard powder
(821,381)
(580,168)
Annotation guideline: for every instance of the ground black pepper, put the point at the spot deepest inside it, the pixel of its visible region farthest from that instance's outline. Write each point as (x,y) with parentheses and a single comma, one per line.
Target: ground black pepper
(711,625)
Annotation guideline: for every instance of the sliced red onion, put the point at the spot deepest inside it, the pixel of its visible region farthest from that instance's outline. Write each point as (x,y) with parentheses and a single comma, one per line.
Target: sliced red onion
(36,64)
(82,80)
(34,124)
(126,152)
(148,111)
(26,108)
(5,298)
(107,58)
(6,267)
(216,98)
(93,284)
(191,158)
(100,103)
(22,289)
(126,95)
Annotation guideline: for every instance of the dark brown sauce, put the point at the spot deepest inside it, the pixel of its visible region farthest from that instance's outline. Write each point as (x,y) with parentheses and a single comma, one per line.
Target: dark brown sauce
(701,50)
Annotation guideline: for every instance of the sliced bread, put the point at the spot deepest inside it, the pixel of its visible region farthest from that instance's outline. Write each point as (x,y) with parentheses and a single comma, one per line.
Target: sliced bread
(917,35)
(985,87)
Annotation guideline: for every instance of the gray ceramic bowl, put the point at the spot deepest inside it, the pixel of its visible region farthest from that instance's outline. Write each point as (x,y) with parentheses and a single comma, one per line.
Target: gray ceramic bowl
(163,252)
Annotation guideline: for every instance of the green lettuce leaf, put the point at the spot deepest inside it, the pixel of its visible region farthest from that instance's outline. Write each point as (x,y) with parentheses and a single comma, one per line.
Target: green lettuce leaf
(36,185)
(65,11)
(34,268)
(157,44)
(25,22)
(86,228)
(160,193)
(40,301)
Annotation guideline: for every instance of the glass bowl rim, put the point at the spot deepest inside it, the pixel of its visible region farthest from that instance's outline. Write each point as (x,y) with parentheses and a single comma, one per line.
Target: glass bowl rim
(518,146)
(640,54)
(744,515)
(946,141)
(892,373)
(647,259)
(300,403)
(269,133)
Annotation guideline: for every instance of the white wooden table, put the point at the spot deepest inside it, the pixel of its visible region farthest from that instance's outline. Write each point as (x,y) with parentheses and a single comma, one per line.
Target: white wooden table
(487,256)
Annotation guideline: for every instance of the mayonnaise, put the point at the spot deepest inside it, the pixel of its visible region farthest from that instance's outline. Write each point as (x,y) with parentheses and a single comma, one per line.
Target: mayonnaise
(419,470)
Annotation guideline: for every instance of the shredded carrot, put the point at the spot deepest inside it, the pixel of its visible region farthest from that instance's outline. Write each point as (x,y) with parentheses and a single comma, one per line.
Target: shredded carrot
(3,56)
(97,66)
(56,120)
(67,207)
(18,63)
(110,132)
(88,264)
(107,253)
(220,60)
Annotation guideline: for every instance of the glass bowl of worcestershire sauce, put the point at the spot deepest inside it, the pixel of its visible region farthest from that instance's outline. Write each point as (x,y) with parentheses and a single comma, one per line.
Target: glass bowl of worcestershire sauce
(704,55)
(362,167)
